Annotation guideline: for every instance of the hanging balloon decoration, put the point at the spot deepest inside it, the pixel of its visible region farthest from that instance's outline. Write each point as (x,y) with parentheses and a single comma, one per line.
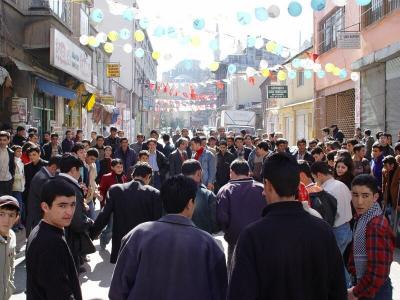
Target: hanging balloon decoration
(125,34)
(199,24)
(231,68)
(139,52)
(159,31)
(261,14)
(84,39)
(113,36)
(214,66)
(144,23)
(355,76)
(295,9)
(318,5)
(97,15)
(282,75)
(156,55)
(101,37)
(292,74)
(127,48)
(139,35)
(108,47)
(265,72)
(308,74)
(363,2)
(243,18)
(251,41)
(274,11)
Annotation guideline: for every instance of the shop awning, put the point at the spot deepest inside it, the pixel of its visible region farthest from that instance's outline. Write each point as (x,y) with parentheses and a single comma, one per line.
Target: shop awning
(22,66)
(55,89)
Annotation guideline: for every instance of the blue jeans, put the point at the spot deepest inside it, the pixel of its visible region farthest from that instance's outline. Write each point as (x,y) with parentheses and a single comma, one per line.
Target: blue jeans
(156,180)
(384,293)
(92,213)
(106,234)
(343,237)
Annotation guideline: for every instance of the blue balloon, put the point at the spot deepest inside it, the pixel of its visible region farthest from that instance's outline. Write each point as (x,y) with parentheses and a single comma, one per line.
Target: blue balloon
(295,9)
(188,65)
(139,52)
(292,74)
(214,44)
(321,74)
(243,18)
(318,5)
(171,32)
(261,13)
(343,74)
(124,33)
(251,41)
(363,2)
(128,14)
(144,23)
(307,74)
(296,63)
(159,31)
(231,68)
(97,15)
(199,24)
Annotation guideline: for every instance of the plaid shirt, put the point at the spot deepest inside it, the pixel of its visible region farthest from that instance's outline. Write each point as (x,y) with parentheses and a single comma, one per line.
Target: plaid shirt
(380,243)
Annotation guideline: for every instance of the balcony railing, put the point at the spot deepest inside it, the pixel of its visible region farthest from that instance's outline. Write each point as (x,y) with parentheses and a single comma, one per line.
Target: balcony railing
(60,8)
(377,10)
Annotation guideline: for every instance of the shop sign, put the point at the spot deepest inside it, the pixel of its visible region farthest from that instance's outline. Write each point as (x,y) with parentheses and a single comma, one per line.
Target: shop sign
(19,110)
(277,91)
(113,70)
(106,99)
(348,40)
(69,57)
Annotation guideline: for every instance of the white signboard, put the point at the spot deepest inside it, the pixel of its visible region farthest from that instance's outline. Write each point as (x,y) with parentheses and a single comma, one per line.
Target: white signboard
(69,57)
(348,40)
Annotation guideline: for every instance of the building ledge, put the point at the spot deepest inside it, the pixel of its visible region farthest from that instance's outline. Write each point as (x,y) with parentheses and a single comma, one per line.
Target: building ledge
(376,57)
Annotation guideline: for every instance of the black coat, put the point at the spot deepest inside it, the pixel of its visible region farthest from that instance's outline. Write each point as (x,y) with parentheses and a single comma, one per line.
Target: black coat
(129,204)
(175,163)
(18,140)
(223,169)
(159,147)
(287,255)
(246,150)
(162,163)
(30,171)
(47,149)
(168,149)
(11,163)
(307,157)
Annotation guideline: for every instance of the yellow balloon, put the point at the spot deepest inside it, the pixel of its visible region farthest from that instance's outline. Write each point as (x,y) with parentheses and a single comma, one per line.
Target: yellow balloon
(92,41)
(108,47)
(265,72)
(271,46)
(214,66)
(155,55)
(282,75)
(336,71)
(195,40)
(139,35)
(329,67)
(113,36)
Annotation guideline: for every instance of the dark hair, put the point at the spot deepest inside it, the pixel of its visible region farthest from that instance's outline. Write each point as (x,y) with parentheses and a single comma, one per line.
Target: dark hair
(20,128)
(32,134)
(212,138)
(15,147)
(151,140)
(326,129)
(331,155)
(230,138)
(366,180)
(79,131)
(99,137)
(54,188)
(55,160)
(304,168)
(263,145)
(93,152)
(78,146)
(112,128)
(317,150)
(86,142)
(320,167)
(377,145)
(116,161)
(5,134)
(190,167)
(301,141)
(154,131)
(239,138)
(223,142)
(176,192)
(281,141)
(378,134)
(54,135)
(107,147)
(143,153)
(358,147)
(344,153)
(283,172)
(352,141)
(388,135)
(180,141)
(33,149)
(397,147)
(32,129)
(312,142)
(142,169)
(389,160)
(67,131)
(196,140)
(27,145)
(240,167)
(123,139)
(367,132)
(166,137)
(335,145)
(68,162)
(348,162)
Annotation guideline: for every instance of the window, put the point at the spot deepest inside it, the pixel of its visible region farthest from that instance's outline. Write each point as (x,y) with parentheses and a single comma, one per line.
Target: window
(300,78)
(329,28)
(84,22)
(62,9)
(376,10)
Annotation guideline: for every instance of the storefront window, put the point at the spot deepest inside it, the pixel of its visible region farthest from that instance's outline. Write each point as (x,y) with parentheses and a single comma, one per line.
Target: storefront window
(43,111)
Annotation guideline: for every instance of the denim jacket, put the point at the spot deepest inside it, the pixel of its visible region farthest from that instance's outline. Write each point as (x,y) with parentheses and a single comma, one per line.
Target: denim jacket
(208,164)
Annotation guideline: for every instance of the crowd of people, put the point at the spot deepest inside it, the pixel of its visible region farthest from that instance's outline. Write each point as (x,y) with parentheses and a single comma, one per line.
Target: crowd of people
(315,221)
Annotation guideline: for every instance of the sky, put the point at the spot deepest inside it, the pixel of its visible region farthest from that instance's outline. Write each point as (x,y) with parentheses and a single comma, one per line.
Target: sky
(180,14)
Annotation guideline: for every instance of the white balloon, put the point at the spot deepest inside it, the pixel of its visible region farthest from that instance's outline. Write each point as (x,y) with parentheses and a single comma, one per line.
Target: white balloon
(308,64)
(101,37)
(263,64)
(355,76)
(274,11)
(259,43)
(128,48)
(250,72)
(84,39)
(339,2)
(317,67)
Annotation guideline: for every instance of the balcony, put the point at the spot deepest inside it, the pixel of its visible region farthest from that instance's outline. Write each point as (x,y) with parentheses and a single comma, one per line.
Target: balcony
(61,9)
(377,10)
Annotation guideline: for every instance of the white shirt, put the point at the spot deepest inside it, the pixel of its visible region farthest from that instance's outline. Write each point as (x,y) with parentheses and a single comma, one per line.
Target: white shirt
(343,196)
(5,174)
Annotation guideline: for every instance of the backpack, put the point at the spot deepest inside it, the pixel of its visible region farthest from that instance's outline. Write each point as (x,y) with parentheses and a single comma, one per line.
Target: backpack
(325,204)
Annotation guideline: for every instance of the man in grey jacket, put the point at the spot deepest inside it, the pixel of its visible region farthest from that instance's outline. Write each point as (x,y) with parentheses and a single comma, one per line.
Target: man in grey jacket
(207,161)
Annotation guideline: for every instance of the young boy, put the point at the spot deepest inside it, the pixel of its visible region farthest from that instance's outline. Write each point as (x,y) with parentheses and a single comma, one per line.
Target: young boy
(9,214)
(373,243)
(144,156)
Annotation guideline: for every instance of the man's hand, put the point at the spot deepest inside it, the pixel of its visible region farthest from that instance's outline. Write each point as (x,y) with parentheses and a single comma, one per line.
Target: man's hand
(350,295)
(210,186)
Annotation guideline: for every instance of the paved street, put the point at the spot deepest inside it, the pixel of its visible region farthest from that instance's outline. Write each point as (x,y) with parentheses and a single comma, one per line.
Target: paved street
(96,281)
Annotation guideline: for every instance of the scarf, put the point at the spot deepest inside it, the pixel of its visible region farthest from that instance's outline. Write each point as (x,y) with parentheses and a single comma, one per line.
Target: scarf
(199,153)
(359,237)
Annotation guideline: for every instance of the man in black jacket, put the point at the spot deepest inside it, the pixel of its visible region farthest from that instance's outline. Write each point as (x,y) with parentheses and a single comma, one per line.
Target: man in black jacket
(177,158)
(52,148)
(7,164)
(337,134)
(301,153)
(50,267)
(158,163)
(288,254)
(224,160)
(129,204)
(19,138)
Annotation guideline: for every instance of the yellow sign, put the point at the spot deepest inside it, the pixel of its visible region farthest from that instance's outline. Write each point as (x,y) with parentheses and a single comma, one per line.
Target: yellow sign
(106,99)
(113,70)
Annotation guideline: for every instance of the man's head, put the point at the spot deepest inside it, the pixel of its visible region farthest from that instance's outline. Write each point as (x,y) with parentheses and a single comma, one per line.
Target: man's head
(367,132)
(34,154)
(330,157)
(178,194)
(357,131)
(99,141)
(350,145)
(192,169)
(389,163)
(262,149)
(230,140)
(107,151)
(318,154)
(312,144)
(140,138)
(4,139)
(334,127)
(34,138)
(377,150)
(305,172)
(182,143)
(281,175)
(58,203)
(68,134)
(46,136)
(117,166)
(152,145)
(93,135)
(144,156)
(364,189)
(9,214)
(248,140)
(320,172)
(86,143)
(397,149)
(239,169)
(142,171)
(212,142)
(17,150)
(54,164)
(326,131)
(166,138)
(359,151)
(384,139)
(70,165)
(281,145)
(124,143)
(54,139)
(154,134)
(239,141)
(196,143)
(79,150)
(91,156)
(121,133)
(113,131)
(223,146)
(221,131)
(79,134)
(185,132)
(302,145)
(21,131)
